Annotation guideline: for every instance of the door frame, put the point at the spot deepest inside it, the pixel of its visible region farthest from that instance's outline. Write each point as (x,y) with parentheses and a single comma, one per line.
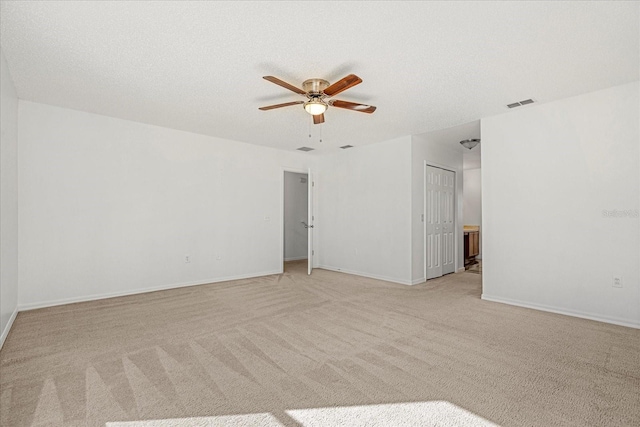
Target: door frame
(282,172)
(424,215)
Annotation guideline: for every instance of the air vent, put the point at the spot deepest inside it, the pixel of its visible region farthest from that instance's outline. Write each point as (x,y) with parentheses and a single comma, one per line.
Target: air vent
(518,104)
(344,147)
(305,149)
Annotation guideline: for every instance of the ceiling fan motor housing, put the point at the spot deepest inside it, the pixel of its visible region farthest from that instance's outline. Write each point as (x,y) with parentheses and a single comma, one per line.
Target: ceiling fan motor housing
(314,86)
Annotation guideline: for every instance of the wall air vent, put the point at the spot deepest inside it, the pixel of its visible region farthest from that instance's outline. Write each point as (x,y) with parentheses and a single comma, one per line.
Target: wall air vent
(305,149)
(518,104)
(344,147)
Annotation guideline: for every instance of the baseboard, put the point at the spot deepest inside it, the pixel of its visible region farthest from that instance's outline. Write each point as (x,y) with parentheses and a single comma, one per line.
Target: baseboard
(296,258)
(461,270)
(370,276)
(7,328)
(420,280)
(558,310)
(45,304)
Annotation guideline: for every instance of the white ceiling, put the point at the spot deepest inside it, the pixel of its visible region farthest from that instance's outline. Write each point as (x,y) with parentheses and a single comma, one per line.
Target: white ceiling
(197,66)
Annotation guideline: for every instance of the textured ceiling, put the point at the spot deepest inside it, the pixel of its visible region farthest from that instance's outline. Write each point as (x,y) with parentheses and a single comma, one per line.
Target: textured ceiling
(197,66)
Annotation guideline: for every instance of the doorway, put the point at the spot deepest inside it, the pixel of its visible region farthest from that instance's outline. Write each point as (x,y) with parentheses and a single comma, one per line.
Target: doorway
(440,223)
(472,213)
(297,220)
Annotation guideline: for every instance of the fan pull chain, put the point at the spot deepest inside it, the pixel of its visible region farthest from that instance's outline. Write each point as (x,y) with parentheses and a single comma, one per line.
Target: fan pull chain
(311,131)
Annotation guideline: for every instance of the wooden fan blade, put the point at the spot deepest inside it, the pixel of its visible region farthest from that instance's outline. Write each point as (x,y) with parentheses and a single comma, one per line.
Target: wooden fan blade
(318,118)
(284,84)
(343,84)
(353,106)
(286,104)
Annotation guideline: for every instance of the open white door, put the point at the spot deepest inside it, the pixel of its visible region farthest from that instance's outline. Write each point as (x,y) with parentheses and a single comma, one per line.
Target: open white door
(310,221)
(448,222)
(440,222)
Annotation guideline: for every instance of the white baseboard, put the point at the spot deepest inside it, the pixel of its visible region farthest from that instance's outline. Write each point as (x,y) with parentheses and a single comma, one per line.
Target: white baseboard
(566,312)
(296,258)
(371,276)
(5,332)
(461,270)
(53,303)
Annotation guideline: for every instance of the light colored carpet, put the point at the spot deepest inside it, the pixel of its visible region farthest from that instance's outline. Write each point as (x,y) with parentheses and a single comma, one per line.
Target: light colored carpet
(330,349)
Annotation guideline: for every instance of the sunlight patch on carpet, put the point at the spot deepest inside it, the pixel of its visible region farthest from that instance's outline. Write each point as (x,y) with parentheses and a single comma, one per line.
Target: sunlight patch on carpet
(436,413)
(410,414)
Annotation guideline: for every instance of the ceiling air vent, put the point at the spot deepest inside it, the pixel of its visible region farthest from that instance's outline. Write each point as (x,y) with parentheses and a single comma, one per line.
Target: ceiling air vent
(518,104)
(305,149)
(344,147)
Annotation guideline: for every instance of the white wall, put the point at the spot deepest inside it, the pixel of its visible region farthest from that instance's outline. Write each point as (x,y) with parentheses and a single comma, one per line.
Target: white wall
(109,206)
(548,174)
(472,200)
(295,212)
(423,149)
(8,200)
(364,206)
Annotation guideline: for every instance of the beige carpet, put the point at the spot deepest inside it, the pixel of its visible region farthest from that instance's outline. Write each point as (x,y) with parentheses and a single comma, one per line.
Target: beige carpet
(330,349)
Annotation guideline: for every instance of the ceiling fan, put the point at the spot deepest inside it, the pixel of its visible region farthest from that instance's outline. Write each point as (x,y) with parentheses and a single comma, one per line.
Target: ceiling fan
(318,92)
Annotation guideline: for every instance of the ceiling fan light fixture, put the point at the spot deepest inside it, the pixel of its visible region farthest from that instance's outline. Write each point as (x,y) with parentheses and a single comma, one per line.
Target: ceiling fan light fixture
(315,107)
(470,143)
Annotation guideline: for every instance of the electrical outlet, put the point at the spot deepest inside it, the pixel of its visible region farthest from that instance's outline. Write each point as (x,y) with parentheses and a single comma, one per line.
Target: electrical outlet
(617,282)
(187,259)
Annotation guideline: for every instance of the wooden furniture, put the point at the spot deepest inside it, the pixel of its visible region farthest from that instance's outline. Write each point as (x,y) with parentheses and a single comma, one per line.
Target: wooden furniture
(471,244)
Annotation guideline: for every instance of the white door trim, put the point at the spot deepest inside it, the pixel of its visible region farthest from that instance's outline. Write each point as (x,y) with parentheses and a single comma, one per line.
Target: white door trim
(310,222)
(424,214)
